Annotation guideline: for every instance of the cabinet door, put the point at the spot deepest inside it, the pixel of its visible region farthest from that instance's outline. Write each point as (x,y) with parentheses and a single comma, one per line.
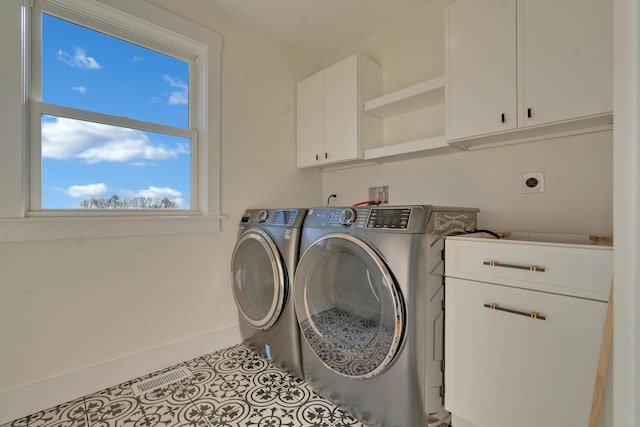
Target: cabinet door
(341,111)
(504,369)
(481,67)
(309,121)
(565,55)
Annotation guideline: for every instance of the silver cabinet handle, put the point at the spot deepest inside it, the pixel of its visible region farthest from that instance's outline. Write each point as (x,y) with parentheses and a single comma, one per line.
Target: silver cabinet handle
(532,314)
(532,267)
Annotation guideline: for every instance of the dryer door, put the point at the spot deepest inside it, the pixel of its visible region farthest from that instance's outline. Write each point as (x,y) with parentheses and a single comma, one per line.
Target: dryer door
(259,279)
(349,306)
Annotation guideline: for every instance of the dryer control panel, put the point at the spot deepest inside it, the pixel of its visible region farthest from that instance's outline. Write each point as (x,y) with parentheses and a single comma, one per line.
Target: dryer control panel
(348,217)
(366,218)
(395,219)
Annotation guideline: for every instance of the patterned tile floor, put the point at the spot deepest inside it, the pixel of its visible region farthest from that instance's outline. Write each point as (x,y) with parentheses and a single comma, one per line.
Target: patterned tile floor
(234,387)
(348,343)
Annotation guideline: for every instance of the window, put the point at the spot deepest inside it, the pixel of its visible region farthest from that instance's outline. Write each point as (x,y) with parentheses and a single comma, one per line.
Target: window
(112,120)
(120,120)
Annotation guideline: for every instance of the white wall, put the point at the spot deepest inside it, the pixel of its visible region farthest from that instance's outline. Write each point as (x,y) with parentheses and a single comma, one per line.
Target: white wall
(578,169)
(70,304)
(577,197)
(626,343)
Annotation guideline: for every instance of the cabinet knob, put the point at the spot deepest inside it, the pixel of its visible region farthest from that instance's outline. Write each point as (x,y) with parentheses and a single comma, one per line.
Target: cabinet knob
(326,156)
(317,157)
(502,118)
(529,113)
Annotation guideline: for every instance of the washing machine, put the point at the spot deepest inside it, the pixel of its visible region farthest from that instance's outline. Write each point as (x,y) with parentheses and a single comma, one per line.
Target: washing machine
(369,297)
(262,269)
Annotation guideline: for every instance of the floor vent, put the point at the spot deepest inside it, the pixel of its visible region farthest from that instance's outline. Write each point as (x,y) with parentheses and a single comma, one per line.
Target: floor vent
(161,380)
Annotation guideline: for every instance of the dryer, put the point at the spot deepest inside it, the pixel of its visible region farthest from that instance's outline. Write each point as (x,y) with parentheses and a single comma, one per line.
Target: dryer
(369,299)
(262,269)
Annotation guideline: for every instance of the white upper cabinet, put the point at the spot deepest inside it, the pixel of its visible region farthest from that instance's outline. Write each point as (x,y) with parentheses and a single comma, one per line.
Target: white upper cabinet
(480,67)
(525,69)
(341,110)
(565,57)
(332,127)
(309,117)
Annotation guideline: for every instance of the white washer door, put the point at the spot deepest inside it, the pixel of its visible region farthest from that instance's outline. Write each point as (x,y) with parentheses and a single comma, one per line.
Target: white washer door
(259,279)
(349,306)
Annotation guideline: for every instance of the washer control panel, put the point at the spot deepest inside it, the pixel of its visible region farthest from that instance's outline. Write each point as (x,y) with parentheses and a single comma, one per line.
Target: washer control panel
(262,215)
(284,217)
(384,218)
(281,217)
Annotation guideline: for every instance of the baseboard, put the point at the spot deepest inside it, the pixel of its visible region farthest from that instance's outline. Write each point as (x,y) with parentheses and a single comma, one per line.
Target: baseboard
(22,401)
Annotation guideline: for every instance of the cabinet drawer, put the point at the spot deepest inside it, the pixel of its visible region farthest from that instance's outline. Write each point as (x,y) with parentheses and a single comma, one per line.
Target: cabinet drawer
(568,269)
(504,369)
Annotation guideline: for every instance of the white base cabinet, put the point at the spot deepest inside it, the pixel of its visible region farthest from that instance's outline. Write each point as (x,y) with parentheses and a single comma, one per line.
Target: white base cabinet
(517,353)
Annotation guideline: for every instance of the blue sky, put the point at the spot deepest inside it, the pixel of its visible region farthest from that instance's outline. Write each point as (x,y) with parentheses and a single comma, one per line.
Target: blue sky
(88,70)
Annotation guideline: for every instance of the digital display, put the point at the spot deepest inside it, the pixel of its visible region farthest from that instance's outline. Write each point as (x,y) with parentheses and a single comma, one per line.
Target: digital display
(397,219)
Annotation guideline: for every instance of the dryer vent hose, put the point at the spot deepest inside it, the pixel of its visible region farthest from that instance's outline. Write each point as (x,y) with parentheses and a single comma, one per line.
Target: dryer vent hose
(368,203)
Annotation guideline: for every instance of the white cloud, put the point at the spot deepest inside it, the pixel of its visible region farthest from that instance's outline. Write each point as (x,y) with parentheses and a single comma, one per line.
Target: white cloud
(93,142)
(183,148)
(174,82)
(81,89)
(78,60)
(125,150)
(160,193)
(180,96)
(89,190)
(141,163)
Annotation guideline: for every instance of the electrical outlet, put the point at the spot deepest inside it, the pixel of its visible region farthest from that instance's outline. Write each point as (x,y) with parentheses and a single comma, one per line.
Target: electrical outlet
(532,182)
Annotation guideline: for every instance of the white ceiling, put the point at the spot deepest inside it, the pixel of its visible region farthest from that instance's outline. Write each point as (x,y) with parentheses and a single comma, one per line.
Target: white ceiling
(318,28)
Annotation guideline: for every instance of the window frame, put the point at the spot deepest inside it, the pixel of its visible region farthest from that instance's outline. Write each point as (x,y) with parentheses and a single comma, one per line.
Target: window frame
(161,31)
(136,32)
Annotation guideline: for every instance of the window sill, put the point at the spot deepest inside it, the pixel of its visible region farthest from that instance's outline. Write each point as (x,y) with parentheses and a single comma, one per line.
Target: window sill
(57,228)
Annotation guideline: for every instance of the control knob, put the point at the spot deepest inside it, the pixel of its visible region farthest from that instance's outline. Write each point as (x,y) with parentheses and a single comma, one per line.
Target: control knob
(348,216)
(262,216)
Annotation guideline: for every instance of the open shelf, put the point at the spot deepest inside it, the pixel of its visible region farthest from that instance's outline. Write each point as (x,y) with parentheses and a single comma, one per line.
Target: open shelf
(422,147)
(406,100)
(420,95)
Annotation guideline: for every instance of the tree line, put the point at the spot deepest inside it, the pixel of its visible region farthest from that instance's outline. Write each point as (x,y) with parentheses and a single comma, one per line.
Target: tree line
(115,202)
